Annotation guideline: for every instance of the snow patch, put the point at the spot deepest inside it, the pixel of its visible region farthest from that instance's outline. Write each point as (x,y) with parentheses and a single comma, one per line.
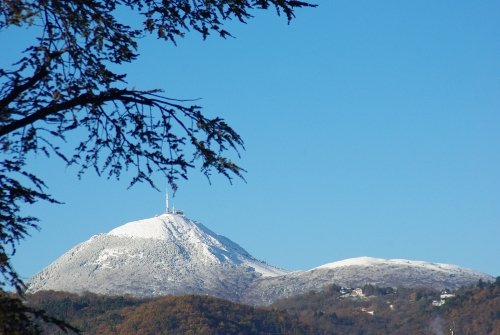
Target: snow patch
(104,255)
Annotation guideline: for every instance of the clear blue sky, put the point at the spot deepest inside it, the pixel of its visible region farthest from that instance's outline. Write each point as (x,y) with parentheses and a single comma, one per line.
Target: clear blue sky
(371,129)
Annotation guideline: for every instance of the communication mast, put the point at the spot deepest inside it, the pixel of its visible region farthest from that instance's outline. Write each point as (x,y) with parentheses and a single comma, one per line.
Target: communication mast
(174,211)
(167,211)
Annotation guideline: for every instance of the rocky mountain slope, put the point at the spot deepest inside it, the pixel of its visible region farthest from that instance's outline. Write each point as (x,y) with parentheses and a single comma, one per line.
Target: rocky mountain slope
(171,254)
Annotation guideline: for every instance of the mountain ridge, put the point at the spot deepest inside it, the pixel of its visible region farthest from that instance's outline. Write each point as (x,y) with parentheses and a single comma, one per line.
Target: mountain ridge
(171,254)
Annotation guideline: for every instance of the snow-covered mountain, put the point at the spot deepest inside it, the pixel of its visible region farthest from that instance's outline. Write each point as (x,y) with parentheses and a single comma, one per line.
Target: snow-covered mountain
(356,272)
(167,254)
(170,254)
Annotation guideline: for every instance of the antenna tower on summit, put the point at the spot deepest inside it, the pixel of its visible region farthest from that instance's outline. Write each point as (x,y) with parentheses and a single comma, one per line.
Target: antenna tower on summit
(174,211)
(167,211)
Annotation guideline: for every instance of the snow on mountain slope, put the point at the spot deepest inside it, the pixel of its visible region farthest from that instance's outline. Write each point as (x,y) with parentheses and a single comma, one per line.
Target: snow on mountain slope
(357,272)
(168,254)
(178,229)
(369,261)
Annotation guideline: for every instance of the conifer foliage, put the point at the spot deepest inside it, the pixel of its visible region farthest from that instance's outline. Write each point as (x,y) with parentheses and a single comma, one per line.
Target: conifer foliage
(67,81)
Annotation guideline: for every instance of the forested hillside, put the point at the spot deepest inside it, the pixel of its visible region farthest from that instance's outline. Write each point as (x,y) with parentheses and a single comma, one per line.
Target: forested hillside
(473,310)
(186,314)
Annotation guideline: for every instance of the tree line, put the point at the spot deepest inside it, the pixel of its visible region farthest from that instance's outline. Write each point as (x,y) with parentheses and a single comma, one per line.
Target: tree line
(186,314)
(382,310)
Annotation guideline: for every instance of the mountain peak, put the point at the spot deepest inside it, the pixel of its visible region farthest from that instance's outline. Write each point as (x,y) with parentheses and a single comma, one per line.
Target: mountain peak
(189,234)
(166,254)
(163,227)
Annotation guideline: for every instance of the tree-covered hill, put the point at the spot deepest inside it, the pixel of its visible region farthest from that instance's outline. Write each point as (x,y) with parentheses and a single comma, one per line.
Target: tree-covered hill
(473,310)
(186,314)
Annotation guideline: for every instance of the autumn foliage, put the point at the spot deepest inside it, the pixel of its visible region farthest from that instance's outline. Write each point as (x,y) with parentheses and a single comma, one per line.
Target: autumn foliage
(186,314)
(402,311)
(473,310)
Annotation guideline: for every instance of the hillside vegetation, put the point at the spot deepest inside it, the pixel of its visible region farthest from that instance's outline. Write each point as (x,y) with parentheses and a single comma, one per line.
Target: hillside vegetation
(473,310)
(186,314)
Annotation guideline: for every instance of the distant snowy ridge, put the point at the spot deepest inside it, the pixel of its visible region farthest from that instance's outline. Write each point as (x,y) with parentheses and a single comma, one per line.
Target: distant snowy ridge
(370,261)
(357,272)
